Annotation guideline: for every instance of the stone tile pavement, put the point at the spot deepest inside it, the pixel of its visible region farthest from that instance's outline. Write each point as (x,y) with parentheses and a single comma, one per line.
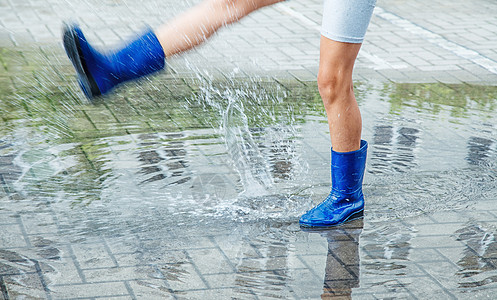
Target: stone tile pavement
(133,198)
(435,41)
(435,255)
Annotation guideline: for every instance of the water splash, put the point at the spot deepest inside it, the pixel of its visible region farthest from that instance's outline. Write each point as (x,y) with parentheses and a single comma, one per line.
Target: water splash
(245,111)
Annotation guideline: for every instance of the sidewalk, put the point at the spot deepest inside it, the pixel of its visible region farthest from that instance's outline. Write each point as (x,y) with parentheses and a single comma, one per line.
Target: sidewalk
(189,185)
(425,41)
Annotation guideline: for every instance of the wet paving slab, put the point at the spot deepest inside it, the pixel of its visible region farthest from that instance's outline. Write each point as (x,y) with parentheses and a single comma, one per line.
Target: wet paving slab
(191,188)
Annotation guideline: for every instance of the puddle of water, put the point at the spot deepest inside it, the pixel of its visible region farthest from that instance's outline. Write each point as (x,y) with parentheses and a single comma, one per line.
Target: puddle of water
(166,171)
(230,171)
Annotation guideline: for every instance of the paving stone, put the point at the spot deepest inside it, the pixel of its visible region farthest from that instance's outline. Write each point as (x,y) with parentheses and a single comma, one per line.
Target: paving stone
(110,289)
(93,256)
(65,272)
(115,274)
(205,259)
(151,289)
(12,236)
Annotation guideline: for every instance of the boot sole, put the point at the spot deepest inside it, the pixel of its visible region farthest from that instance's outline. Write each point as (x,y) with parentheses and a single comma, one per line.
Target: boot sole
(73,50)
(354,216)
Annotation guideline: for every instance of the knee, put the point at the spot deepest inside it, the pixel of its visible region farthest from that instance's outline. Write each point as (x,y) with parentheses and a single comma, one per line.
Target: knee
(334,85)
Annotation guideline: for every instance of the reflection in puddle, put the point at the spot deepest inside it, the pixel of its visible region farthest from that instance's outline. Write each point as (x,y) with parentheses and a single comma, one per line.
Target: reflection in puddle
(162,160)
(393,149)
(279,147)
(342,260)
(263,267)
(387,249)
(479,150)
(479,261)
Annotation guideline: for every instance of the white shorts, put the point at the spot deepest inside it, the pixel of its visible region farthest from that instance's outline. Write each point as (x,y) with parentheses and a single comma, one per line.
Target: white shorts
(346,20)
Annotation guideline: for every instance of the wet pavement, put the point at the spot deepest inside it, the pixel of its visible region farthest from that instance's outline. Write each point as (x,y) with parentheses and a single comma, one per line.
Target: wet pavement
(189,184)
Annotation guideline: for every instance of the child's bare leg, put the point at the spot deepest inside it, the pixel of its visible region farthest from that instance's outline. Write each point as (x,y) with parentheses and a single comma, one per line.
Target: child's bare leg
(198,23)
(98,73)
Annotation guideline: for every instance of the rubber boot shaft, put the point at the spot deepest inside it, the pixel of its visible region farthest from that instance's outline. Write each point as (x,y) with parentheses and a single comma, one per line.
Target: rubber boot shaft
(346,200)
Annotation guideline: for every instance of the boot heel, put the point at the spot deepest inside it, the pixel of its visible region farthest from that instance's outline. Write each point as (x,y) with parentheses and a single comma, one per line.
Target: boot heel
(356,215)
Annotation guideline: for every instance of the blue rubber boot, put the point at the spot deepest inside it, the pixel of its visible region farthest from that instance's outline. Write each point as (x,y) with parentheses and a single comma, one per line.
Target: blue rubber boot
(345,201)
(98,73)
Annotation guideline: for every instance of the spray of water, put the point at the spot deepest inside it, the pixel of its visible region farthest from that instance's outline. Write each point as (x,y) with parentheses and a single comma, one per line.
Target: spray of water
(233,103)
